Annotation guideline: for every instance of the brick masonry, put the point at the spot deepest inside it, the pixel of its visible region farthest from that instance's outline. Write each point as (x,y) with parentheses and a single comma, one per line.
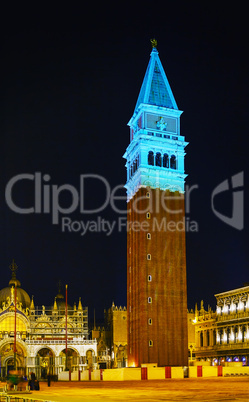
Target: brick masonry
(156,258)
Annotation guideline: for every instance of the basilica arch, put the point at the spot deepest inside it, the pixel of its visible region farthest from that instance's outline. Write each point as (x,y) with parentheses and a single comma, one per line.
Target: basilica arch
(7,356)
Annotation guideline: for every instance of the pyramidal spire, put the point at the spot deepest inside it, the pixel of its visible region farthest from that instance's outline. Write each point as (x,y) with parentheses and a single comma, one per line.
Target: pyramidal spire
(155,88)
(32,306)
(55,304)
(80,305)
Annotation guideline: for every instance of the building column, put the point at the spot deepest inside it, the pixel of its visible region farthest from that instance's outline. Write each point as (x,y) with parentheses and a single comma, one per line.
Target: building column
(239,333)
(247,333)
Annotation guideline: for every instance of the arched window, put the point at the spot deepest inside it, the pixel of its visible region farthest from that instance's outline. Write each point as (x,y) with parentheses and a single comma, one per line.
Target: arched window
(151,158)
(133,167)
(208,340)
(201,339)
(173,162)
(158,159)
(243,330)
(228,335)
(214,337)
(166,160)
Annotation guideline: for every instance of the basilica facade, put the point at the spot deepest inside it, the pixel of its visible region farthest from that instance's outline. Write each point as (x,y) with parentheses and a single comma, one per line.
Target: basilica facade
(43,340)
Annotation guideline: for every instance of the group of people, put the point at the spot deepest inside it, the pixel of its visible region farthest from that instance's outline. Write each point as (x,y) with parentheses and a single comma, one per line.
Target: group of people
(33,382)
(17,380)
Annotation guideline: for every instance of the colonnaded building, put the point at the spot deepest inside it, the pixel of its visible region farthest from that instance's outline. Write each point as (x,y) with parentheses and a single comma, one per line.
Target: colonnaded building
(40,336)
(222,336)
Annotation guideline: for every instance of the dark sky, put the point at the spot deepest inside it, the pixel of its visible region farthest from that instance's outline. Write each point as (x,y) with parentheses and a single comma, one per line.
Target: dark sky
(69,85)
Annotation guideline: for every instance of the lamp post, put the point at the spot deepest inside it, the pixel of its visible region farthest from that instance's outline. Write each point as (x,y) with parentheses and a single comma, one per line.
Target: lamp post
(66,325)
(15,333)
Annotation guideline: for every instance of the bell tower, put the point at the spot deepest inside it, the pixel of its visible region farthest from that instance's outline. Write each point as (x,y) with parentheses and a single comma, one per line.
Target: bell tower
(156,259)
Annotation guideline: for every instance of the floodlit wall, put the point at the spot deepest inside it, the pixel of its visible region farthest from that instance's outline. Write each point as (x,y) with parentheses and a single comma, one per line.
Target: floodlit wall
(122,374)
(157,373)
(152,373)
(84,375)
(177,372)
(235,371)
(95,375)
(63,376)
(209,371)
(75,376)
(192,371)
(132,373)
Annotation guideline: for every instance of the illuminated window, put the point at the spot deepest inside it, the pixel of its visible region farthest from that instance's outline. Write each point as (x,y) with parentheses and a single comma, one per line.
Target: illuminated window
(148,257)
(149,299)
(149,278)
(150,342)
(148,236)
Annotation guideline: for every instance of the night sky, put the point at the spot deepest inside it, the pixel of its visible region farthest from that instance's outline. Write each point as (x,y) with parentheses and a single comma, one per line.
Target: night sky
(69,85)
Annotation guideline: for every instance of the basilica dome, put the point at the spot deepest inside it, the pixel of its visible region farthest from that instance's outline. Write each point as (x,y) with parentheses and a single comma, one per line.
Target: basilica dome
(7,293)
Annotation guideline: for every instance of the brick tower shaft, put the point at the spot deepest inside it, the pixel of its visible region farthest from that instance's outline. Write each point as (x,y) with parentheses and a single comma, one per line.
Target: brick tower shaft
(156,258)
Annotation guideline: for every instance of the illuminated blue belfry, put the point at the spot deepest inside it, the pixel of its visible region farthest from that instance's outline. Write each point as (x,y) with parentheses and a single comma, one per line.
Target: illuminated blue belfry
(155,155)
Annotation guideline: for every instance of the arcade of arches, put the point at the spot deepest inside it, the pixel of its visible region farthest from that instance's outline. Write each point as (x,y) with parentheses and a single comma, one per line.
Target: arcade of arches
(35,339)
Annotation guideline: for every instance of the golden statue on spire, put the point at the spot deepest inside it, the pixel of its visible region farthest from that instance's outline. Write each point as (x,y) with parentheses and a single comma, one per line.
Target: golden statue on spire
(153,43)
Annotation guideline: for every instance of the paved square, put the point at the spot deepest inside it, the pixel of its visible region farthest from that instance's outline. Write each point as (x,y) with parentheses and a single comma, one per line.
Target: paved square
(189,389)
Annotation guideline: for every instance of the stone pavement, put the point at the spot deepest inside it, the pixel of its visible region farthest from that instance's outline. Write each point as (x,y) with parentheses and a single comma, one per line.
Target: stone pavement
(188,389)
